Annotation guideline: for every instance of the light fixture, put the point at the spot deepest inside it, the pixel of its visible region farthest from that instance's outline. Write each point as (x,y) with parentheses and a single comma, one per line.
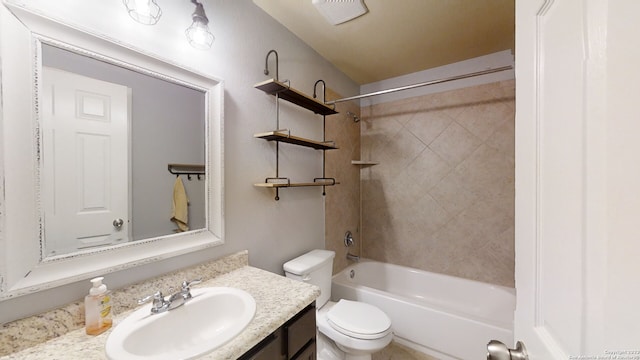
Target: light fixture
(340,11)
(143,11)
(198,33)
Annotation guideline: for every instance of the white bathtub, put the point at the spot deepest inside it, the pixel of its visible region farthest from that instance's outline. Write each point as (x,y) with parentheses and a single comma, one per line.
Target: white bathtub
(443,316)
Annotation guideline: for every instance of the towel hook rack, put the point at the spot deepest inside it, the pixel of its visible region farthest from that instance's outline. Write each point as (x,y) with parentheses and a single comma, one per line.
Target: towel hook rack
(187,169)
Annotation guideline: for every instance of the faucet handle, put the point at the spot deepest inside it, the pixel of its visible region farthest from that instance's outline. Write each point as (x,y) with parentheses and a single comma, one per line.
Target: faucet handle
(186,288)
(186,285)
(159,303)
(156,297)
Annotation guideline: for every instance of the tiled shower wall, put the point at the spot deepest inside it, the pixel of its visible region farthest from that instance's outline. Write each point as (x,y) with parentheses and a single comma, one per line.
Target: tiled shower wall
(441,198)
(342,202)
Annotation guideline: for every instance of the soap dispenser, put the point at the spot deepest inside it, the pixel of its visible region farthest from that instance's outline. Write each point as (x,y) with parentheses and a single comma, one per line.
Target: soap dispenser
(97,308)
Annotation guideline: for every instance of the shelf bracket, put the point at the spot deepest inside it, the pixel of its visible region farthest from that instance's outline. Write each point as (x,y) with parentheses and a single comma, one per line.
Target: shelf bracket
(324,90)
(325,179)
(278,189)
(266,63)
(332,181)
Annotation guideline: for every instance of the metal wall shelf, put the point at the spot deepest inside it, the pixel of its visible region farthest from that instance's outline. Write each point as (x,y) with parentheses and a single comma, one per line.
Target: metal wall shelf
(364,163)
(282,136)
(324,182)
(285,92)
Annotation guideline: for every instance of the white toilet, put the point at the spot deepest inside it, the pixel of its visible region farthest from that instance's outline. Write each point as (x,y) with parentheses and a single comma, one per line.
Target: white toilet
(357,329)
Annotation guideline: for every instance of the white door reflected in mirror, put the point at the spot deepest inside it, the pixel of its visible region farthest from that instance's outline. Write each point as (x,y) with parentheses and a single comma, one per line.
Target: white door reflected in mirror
(108,135)
(86,163)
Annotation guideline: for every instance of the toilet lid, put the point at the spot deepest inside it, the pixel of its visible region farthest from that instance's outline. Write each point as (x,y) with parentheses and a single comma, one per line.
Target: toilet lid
(358,319)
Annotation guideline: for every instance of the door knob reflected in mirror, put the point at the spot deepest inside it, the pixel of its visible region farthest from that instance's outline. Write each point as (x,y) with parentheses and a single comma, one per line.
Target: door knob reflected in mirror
(117,223)
(496,350)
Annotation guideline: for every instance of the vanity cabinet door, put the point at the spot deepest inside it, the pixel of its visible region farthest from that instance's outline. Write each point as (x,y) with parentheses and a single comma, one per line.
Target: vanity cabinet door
(270,348)
(301,334)
(295,340)
(309,353)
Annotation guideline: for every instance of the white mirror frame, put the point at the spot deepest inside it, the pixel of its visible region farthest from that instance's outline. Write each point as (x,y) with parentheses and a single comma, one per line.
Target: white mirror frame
(23,270)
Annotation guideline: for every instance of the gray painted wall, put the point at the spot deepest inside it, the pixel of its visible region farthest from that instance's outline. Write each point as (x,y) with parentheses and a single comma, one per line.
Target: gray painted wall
(273,232)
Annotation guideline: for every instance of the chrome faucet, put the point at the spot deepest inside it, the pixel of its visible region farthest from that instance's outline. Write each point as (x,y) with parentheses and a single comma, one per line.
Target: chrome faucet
(352,257)
(185,292)
(348,241)
(161,303)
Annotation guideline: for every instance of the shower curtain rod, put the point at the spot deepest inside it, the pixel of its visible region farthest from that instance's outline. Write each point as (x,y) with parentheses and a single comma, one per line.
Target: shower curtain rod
(432,82)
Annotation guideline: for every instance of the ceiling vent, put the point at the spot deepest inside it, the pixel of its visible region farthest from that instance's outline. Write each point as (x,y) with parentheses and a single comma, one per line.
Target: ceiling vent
(339,11)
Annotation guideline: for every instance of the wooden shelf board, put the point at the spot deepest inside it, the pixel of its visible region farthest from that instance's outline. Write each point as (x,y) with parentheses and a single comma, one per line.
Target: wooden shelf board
(364,163)
(284,137)
(287,93)
(283,185)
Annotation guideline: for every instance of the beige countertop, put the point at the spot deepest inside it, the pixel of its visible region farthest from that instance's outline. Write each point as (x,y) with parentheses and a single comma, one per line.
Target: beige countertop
(277,300)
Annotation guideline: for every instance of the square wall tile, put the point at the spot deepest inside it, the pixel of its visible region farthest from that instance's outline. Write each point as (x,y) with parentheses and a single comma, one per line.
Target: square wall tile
(442,197)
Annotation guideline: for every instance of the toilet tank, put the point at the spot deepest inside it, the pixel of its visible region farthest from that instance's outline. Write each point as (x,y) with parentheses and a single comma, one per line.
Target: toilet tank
(314,267)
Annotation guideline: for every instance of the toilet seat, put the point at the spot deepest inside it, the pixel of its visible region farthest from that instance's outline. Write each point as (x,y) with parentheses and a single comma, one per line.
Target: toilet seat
(358,320)
(350,344)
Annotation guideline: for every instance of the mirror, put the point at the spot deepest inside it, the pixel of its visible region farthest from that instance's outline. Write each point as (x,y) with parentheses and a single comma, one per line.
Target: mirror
(66,163)
(109,135)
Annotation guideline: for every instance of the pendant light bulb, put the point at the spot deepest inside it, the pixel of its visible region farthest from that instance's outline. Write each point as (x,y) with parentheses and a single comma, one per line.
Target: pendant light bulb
(198,33)
(146,12)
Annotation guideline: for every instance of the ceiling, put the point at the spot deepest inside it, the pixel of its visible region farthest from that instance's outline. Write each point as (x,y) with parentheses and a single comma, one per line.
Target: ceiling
(398,37)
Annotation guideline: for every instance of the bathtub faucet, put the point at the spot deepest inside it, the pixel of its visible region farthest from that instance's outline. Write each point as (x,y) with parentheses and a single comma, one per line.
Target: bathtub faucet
(353,257)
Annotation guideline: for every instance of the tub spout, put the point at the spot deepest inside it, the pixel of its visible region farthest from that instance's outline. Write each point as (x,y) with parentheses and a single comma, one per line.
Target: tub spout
(353,257)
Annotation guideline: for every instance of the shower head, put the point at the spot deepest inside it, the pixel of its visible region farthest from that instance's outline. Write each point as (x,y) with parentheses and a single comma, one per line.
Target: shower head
(353,116)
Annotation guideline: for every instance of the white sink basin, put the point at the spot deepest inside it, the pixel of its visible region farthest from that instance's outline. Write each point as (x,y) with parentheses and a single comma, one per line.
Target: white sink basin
(211,318)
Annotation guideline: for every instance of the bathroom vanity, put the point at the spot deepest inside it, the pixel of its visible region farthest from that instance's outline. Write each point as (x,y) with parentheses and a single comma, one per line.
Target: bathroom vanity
(295,340)
(283,324)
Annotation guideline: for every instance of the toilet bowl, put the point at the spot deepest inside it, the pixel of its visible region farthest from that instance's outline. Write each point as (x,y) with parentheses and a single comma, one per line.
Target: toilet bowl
(355,328)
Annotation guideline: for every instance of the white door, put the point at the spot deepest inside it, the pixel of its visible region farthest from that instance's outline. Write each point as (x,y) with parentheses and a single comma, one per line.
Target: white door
(85,158)
(577,179)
